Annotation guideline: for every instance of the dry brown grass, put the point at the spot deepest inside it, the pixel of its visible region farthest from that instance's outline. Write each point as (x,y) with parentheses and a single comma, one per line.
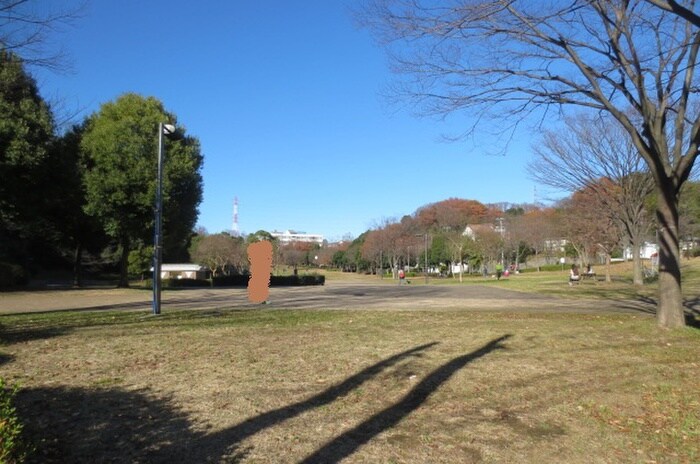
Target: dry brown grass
(365,386)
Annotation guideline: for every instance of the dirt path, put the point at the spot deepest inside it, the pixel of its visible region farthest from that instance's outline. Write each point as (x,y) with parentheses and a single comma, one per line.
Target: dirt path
(334,295)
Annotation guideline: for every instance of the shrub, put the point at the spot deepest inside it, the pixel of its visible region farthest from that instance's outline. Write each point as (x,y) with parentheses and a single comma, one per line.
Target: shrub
(241,281)
(238,280)
(12,276)
(546,267)
(12,449)
(185,283)
(298,280)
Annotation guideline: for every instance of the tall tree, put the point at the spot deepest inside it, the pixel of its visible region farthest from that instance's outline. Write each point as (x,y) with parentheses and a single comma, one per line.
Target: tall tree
(120,142)
(690,216)
(596,155)
(630,59)
(26,130)
(77,231)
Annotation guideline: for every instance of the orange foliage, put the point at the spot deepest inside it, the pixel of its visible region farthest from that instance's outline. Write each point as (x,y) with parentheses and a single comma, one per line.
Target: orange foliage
(453,212)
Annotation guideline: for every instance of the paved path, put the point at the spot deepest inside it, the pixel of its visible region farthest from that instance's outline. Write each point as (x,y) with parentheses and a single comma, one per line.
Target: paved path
(334,295)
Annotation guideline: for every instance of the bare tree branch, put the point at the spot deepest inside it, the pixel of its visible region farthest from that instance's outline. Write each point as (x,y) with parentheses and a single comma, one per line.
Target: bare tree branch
(508,60)
(27,28)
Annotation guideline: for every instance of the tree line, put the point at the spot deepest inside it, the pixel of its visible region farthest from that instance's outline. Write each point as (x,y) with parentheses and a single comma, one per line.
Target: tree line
(632,62)
(465,235)
(86,195)
(462,235)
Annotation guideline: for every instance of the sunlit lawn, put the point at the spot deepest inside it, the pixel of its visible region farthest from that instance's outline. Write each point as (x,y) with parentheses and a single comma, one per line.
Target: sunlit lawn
(554,282)
(416,386)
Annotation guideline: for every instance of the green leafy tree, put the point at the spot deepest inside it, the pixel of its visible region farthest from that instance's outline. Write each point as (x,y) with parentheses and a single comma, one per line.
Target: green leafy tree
(120,143)
(260,236)
(77,232)
(140,260)
(690,217)
(26,129)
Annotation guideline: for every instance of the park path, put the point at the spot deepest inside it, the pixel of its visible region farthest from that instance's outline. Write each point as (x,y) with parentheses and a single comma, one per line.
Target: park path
(333,295)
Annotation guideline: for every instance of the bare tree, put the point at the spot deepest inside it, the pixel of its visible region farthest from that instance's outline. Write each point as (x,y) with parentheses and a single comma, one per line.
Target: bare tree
(596,155)
(588,231)
(631,59)
(220,252)
(27,28)
(680,9)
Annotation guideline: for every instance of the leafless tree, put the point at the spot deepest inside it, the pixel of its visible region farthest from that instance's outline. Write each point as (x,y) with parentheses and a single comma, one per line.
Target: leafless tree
(683,9)
(631,59)
(27,28)
(597,155)
(220,252)
(586,230)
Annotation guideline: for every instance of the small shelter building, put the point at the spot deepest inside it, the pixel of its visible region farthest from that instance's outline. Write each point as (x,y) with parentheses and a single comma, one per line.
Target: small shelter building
(183,271)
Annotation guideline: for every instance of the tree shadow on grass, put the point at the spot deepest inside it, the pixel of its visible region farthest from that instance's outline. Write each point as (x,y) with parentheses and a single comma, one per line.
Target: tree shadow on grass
(648,305)
(346,444)
(9,336)
(692,312)
(112,425)
(79,425)
(6,358)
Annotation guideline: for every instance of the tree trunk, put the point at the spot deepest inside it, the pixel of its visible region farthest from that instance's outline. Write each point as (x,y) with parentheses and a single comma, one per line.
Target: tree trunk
(78,265)
(124,265)
(669,313)
(637,277)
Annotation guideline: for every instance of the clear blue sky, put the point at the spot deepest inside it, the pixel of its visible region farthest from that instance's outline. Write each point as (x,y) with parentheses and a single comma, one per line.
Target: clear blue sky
(292,88)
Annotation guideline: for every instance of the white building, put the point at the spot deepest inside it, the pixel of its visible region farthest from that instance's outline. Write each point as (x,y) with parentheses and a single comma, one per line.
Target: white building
(182,271)
(647,251)
(473,230)
(290,236)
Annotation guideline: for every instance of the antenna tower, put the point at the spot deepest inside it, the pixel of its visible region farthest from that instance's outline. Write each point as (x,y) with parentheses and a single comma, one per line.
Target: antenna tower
(235,230)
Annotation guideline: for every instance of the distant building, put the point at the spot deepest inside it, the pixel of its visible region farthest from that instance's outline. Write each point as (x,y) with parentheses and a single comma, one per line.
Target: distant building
(290,236)
(473,230)
(646,251)
(182,271)
(557,245)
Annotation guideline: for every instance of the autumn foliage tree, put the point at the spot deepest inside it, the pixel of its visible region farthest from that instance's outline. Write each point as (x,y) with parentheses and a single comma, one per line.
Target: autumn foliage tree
(634,60)
(597,156)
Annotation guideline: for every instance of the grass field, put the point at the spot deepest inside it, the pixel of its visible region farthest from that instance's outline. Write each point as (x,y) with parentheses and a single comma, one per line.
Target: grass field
(291,386)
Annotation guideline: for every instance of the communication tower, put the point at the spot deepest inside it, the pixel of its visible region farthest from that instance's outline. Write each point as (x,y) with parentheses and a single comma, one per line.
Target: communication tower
(235,230)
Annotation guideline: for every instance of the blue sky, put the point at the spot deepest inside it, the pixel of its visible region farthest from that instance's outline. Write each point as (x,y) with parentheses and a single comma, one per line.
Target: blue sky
(290,88)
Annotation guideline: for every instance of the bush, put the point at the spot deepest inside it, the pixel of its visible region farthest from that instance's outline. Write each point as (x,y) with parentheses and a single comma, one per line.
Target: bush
(12,449)
(12,276)
(185,283)
(238,280)
(546,267)
(241,281)
(298,280)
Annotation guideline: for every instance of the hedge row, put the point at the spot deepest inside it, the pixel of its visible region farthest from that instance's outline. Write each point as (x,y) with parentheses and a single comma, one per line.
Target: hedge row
(242,281)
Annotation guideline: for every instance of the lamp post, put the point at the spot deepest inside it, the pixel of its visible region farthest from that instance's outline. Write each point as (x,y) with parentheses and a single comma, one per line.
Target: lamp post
(157,234)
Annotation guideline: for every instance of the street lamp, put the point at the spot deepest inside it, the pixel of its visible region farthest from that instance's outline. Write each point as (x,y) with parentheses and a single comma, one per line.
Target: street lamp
(166,129)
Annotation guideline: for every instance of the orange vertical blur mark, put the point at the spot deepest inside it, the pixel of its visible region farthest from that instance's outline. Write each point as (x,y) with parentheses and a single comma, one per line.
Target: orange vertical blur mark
(260,257)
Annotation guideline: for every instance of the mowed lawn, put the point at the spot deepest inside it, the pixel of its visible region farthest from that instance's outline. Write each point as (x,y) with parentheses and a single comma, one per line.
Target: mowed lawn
(395,386)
